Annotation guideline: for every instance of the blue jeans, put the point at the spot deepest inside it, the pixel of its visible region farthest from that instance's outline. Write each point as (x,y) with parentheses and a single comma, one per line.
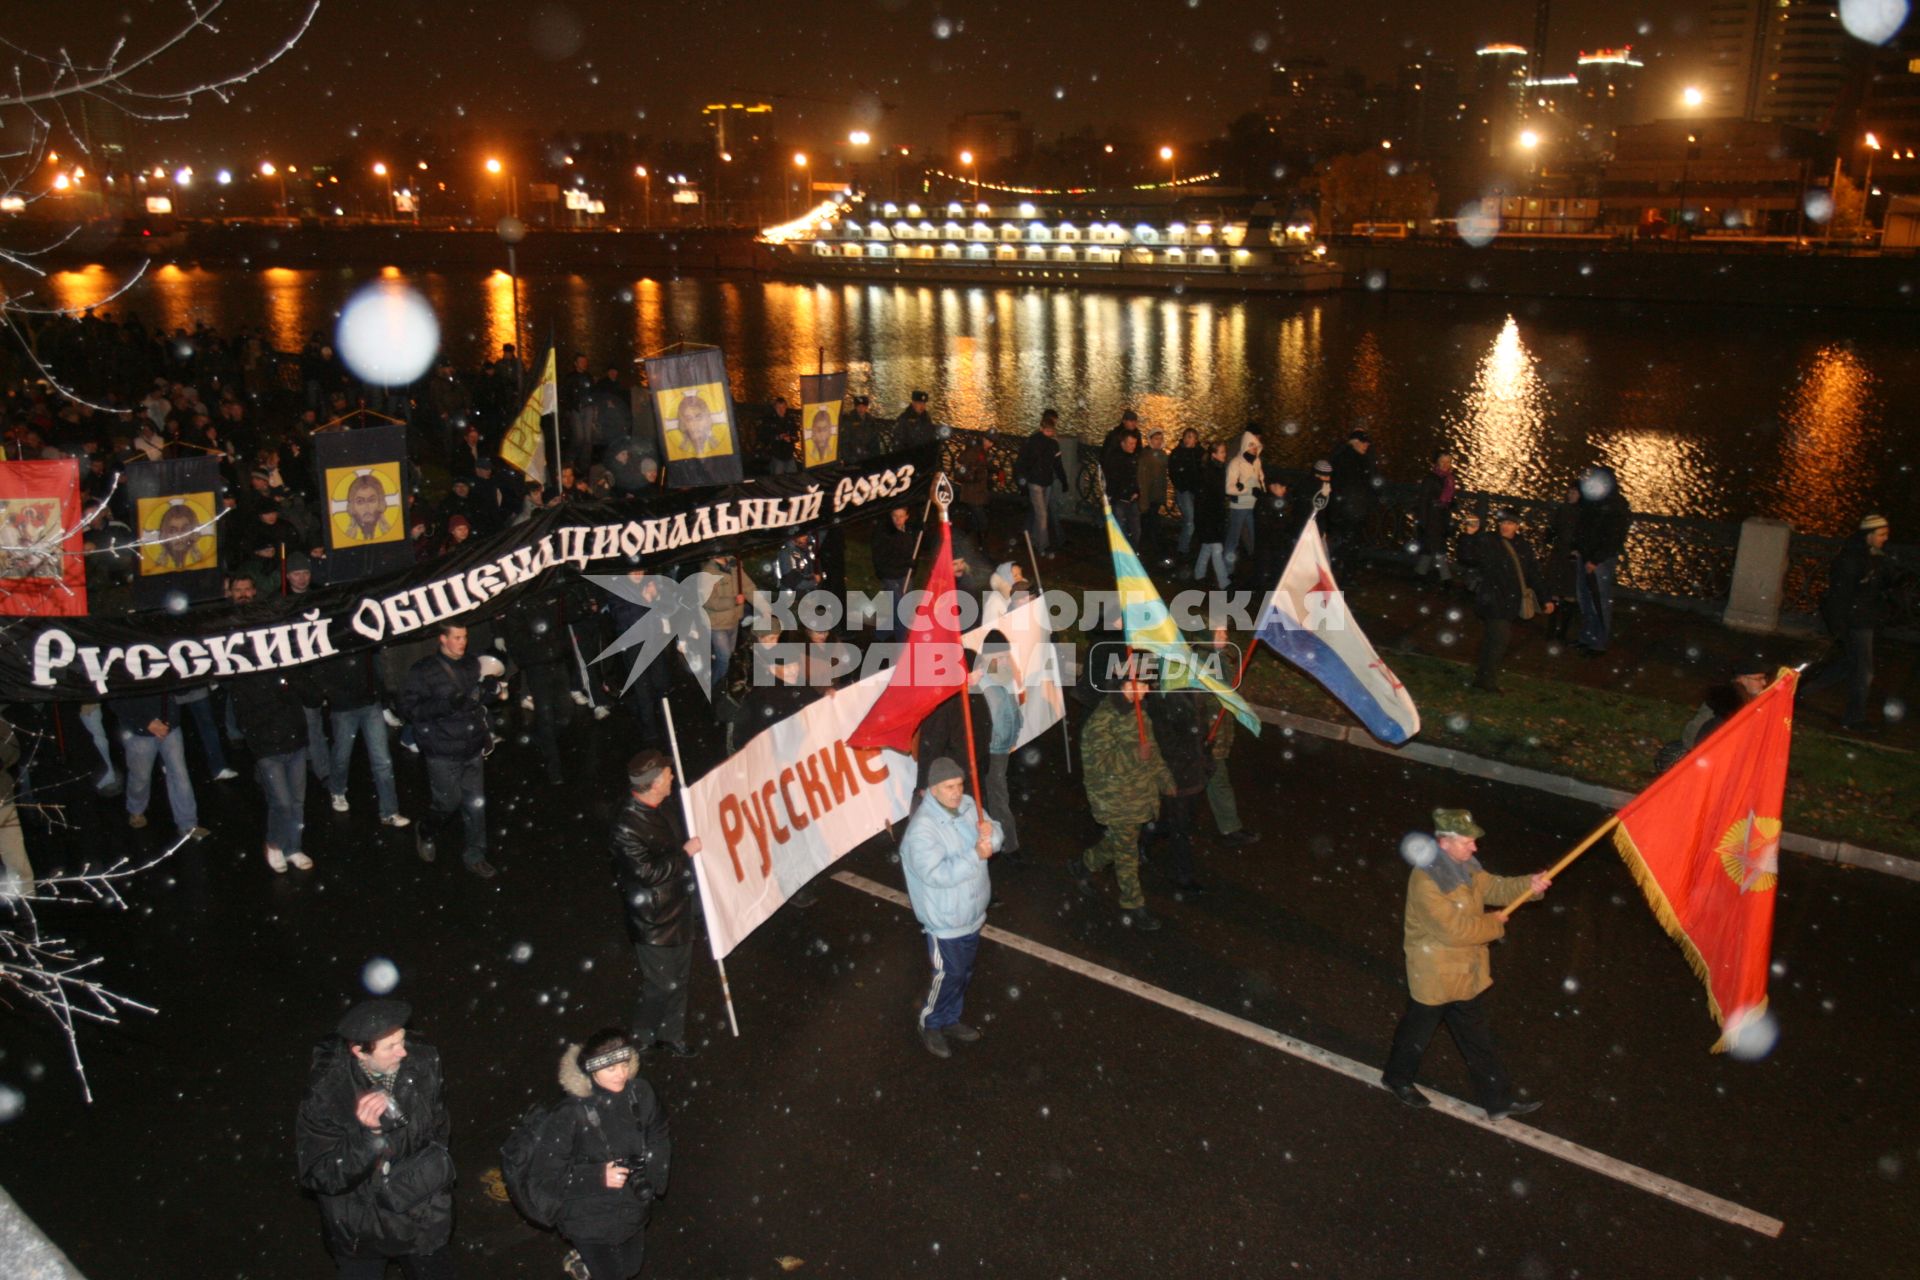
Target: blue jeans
(1210,553)
(1596,604)
(1039,517)
(96,727)
(283,781)
(201,709)
(1184,500)
(725,641)
(952,969)
(318,753)
(1126,514)
(172,753)
(365,722)
(1239,525)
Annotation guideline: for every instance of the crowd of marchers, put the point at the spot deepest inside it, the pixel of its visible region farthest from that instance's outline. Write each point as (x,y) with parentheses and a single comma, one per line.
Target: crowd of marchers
(1157,770)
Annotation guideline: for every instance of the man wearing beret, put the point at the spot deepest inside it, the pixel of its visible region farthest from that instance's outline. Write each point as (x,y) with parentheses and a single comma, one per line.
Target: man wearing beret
(1447,932)
(371,1142)
(944,855)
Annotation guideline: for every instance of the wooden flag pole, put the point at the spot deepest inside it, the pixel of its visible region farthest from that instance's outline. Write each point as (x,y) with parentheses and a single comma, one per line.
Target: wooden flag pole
(943,493)
(1246,656)
(699,870)
(1592,839)
(1066,733)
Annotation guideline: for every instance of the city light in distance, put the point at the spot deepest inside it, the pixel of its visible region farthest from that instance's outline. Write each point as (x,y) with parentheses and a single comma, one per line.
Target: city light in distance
(1529,139)
(1166,153)
(1692,96)
(859,137)
(493,164)
(266,169)
(799,159)
(379,169)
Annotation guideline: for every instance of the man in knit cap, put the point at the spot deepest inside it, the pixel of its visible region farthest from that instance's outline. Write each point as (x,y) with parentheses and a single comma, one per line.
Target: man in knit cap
(944,855)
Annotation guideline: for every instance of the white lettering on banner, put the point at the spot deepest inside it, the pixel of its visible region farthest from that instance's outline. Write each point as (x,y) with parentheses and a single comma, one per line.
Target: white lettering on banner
(97,669)
(189,658)
(272,647)
(606,542)
(53,650)
(370,621)
(483,582)
(796,798)
(312,637)
(227,658)
(145,661)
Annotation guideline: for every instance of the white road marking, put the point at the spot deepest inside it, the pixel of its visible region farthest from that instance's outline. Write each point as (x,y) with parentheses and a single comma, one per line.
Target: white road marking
(1571,1152)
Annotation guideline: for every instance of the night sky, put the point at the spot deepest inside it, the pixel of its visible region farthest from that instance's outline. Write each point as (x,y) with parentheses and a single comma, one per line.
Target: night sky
(1171,69)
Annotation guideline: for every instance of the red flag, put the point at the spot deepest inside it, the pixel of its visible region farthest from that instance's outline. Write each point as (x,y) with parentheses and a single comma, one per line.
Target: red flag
(1704,843)
(930,670)
(42,570)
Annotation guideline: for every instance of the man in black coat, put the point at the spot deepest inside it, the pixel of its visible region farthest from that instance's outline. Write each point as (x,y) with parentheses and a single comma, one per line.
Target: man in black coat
(915,426)
(656,879)
(893,543)
(1862,587)
(444,696)
(1505,576)
(1599,536)
(1351,504)
(1037,470)
(371,1145)
(1120,471)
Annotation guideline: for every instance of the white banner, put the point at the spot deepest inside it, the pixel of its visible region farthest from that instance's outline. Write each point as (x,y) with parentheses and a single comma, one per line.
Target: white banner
(796,798)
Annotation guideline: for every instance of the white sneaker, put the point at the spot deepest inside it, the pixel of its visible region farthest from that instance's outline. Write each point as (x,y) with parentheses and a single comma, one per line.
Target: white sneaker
(579,697)
(601,713)
(396,820)
(393,721)
(526,702)
(340,804)
(225,775)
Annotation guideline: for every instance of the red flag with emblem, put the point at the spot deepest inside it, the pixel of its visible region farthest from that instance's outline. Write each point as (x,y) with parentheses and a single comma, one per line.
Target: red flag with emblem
(930,669)
(1704,843)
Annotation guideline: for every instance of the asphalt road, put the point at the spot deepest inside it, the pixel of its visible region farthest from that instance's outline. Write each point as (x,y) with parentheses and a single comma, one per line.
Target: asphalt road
(1090,1134)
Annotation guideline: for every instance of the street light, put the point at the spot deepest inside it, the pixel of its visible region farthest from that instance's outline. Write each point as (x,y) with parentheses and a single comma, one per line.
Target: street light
(1166,154)
(1866,184)
(967,162)
(1692,96)
(859,137)
(380,171)
(269,170)
(800,161)
(641,172)
(498,169)
(1529,140)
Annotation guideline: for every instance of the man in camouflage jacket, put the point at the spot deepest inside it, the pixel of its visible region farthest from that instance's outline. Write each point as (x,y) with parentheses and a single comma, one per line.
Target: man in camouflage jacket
(1126,777)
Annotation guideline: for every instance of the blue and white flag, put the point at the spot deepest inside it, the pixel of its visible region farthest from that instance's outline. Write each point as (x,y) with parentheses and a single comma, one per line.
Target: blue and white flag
(1307,623)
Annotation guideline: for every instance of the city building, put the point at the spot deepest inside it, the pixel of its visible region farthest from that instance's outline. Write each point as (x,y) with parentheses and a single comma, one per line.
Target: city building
(1428,111)
(1786,61)
(994,137)
(738,126)
(1605,97)
(1317,111)
(1718,177)
(1499,100)
(1890,111)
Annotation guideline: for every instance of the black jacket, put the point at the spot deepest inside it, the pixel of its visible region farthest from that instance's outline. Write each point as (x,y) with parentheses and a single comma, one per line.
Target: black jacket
(1435,518)
(1600,528)
(1352,488)
(386,1191)
(1180,724)
(536,630)
(1276,526)
(944,733)
(577,1140)
(1563,575)
(445,701)
(656,875)
(1860,589)
(893,551)
(1186,467)
(911,430)
(1497,587)
(346,682)
(268,708)
(1121,471)
(141,710)
(1210,503)
(1039,461)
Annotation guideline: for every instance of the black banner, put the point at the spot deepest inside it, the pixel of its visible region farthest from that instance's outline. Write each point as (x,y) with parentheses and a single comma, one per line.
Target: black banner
(85,659)
(176,509)
(699,438)
(362,482)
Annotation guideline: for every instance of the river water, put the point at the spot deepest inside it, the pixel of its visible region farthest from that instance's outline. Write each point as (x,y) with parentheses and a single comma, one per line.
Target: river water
(1813,418)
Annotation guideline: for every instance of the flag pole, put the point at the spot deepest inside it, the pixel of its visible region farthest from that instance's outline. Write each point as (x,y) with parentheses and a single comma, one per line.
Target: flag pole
(553,356)
(1066,732)
(699,870)
(1246,656)
(1564,863)
(943,494)
(586,679)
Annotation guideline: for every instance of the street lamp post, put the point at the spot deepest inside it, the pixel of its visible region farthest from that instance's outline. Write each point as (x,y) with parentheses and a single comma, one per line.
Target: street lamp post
(269,170)
(967,161)
(645,175)
(1872,144)
(1686,169)
(1173,173)
(380,170)
(804,163)
(512,193)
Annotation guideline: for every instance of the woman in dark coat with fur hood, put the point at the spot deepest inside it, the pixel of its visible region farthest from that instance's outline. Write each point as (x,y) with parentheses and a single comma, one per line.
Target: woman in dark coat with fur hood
(603,1155)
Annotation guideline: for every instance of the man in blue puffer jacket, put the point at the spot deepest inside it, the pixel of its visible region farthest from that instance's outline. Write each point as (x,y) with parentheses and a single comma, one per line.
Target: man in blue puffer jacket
(944,855)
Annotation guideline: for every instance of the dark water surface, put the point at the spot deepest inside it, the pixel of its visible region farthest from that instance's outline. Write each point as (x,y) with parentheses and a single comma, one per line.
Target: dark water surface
(1704,411)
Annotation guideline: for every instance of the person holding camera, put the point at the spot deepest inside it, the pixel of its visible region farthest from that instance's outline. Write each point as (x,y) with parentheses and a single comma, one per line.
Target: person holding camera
(371,1144)
(444,697)
(601,1157)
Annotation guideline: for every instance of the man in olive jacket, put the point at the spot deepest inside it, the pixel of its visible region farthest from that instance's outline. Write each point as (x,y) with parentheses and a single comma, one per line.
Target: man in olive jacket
(372,1147)
(656,878)
(1447,932)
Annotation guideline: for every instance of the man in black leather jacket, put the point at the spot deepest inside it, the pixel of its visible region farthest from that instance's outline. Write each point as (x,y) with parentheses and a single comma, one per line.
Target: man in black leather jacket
(656,880)
(371,1143)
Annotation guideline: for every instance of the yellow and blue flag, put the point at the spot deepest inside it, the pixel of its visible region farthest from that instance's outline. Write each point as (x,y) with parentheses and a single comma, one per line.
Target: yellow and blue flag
(1150,629)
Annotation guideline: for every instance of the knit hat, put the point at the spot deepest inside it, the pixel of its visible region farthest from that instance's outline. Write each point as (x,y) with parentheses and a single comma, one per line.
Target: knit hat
(943,770)
(372,1020)
(611,1056)
(459,522)
(297,562)
(1323,468)
(1870,523)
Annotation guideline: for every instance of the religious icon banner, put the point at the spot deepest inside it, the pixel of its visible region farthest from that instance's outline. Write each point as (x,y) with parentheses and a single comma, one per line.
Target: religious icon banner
(42,570)
(698,435)
(820,397)
(363,475)
(176,507)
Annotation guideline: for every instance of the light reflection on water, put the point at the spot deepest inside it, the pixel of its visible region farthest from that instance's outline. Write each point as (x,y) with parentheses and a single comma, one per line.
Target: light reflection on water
(1722,414)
